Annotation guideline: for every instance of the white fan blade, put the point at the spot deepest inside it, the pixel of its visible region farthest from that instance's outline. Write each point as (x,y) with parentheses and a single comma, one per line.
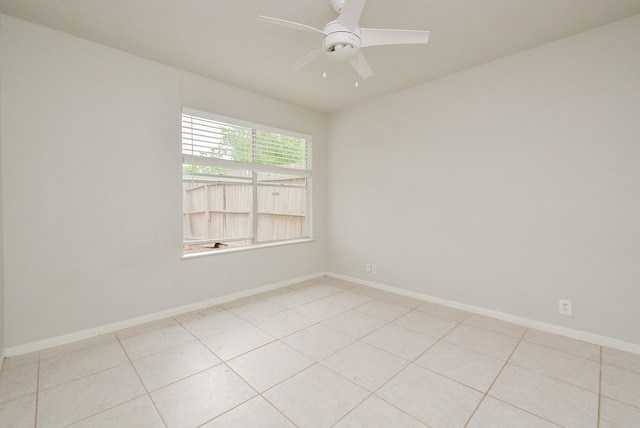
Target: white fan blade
(350,13)
(307,59)
(289,24)
(362,66)
(380,36)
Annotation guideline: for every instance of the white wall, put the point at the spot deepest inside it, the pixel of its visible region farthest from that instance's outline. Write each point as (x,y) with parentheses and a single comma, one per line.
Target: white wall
(1,243)
(507,186)
(92,187)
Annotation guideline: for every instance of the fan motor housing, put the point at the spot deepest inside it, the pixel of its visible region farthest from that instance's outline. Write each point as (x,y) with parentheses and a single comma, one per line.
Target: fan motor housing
(340,44)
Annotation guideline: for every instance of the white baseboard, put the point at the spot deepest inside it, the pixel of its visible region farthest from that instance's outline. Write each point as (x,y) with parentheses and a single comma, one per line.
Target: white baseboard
(526,322)
(596,339)
(108,328)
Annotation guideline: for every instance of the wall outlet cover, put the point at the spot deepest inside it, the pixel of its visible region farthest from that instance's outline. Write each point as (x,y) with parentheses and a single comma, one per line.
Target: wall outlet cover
(565,307)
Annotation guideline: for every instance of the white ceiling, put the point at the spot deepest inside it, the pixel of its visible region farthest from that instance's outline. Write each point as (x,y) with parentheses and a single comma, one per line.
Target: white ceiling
(223,40)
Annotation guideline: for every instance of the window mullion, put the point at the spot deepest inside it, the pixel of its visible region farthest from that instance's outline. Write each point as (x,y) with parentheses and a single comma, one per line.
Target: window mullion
(255,186)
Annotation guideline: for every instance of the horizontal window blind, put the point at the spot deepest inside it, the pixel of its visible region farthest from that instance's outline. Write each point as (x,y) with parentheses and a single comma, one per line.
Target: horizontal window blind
(207,141)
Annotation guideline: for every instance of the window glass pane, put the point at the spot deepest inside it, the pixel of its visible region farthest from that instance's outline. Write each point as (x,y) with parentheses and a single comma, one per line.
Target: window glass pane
(209,174)
(217,213)
(281,150)
(209,138)
(278,179)
(281,212)
(213,139)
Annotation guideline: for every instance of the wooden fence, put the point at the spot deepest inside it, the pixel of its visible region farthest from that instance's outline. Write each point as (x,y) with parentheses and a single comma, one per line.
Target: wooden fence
(222,212)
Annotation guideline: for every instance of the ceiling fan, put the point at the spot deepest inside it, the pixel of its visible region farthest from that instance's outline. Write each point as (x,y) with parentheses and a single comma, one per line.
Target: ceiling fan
(344,39)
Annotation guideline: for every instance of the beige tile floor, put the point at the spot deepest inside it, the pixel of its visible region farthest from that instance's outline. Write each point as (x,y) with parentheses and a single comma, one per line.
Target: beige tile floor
(323,353)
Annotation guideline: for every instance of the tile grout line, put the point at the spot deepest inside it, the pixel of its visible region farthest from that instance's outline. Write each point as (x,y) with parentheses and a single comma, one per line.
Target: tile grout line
(141,382)
(231,408)
(496,378)
(196,339)
(356,406)
(548,376)
(562,350)
(84,376)
(317,362)
(117,405)
(223,362)
(522,339)
(35,419)
(600,389)
(373,393)
(276,407)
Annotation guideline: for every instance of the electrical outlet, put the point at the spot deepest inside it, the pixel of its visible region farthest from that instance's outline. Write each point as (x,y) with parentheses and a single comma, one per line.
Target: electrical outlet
(367,267)
(565,307)
(374,269)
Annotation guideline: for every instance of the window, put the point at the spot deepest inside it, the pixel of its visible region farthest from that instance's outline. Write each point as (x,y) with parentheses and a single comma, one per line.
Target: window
(243,184)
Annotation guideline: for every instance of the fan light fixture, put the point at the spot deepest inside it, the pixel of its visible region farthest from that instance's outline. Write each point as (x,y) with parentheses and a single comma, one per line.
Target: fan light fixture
(340,44)
(341,52)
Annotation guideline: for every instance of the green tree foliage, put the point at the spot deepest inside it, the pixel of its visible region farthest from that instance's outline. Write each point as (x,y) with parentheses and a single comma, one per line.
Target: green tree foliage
(237,144)
(274,149)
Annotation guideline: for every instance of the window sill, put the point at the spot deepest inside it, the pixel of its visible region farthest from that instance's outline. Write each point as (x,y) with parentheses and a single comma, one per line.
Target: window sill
(246,248)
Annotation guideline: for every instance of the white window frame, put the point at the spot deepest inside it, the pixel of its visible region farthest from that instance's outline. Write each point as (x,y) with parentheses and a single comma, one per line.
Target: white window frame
(255,168)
